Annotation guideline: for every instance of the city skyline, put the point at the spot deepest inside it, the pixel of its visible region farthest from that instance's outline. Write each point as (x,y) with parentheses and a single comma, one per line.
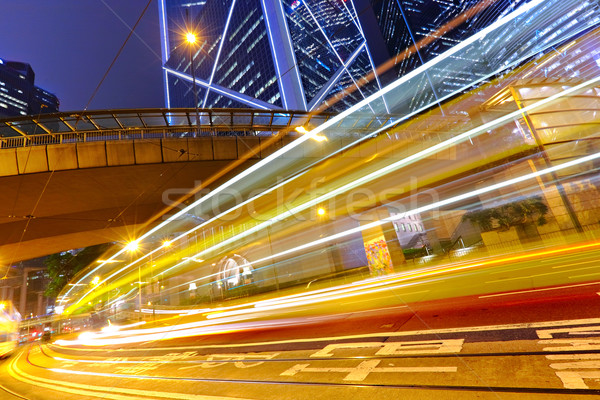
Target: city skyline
(72,50)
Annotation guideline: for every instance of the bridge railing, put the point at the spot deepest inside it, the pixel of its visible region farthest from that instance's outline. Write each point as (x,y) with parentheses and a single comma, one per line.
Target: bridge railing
(121,134)
(127,124)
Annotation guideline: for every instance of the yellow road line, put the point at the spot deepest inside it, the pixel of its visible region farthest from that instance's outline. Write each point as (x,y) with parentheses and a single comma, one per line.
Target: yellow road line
(102,391)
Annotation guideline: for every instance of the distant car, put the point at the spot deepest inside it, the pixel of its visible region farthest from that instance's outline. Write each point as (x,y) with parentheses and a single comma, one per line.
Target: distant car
(46,336)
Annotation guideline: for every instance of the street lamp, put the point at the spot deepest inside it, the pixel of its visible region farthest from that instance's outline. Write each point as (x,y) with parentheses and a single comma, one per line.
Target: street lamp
(317,137)
(191,38)
(132,247)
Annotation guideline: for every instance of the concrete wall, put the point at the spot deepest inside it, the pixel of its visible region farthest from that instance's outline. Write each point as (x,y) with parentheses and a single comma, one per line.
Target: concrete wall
(67,156)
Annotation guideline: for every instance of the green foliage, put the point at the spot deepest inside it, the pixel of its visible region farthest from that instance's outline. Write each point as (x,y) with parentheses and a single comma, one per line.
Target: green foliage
(62,267)
(527,210)
(413,253)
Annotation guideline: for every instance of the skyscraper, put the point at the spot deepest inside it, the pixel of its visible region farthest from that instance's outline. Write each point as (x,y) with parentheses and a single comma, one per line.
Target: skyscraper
(287,54)
(297,54)
(18,93)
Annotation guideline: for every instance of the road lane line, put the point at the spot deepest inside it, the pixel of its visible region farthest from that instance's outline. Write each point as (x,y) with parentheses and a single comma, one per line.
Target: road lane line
(545,274)
(539,290)
(485,328)
(104,392)
(20,376)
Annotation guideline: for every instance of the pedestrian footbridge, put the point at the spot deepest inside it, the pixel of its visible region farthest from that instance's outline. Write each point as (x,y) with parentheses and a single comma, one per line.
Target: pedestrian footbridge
(70,180)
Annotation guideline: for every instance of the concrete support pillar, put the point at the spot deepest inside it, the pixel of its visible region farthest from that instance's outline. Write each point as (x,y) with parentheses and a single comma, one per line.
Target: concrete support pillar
(23,299)
(4,292)
(11,294)
(40,301)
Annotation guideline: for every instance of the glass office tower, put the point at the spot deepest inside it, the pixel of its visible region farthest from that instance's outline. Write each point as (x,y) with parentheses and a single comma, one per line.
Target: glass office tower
(298,54)
(19,95)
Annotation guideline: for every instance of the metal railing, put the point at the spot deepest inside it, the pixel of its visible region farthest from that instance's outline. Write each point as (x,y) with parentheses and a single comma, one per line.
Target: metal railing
(137,124)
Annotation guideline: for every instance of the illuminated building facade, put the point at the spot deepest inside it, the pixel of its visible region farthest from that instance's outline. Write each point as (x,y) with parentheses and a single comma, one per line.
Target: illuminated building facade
(18,93)
(296,54)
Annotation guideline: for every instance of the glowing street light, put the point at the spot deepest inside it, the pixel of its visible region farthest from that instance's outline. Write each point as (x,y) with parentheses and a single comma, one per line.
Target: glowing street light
(318,138)
(132,246)
(321,211)
(190,38)
(96,280)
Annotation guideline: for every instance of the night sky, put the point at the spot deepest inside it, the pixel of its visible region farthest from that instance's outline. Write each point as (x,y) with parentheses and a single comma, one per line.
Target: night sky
(71,43)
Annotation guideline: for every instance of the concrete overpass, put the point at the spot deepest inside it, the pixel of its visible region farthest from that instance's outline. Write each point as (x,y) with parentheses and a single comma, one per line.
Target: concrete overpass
(70,180)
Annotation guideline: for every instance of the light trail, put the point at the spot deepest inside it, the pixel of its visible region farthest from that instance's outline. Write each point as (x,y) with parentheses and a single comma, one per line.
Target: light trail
(429,207)
(425,67)
(484,328)
(538,290)
(230,319)
(402,163)
(392,167)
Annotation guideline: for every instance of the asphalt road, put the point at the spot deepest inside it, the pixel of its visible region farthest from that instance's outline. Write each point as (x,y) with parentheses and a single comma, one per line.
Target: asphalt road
(537,360)
(518,329)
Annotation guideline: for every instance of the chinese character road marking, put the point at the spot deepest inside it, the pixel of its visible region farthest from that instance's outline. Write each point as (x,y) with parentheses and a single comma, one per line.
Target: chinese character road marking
(229,357)
(572,344)
(582,366)
(155,362)
(363,370)
(574,379)
(589,330)
(398,348)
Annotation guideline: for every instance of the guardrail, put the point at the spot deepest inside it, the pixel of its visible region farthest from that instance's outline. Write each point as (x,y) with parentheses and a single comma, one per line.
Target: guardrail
(89,126)
(60,138)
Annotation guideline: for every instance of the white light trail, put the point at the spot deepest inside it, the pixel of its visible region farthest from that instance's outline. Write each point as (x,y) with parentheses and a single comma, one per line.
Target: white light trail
(262,163)
(395,166)
(430,207)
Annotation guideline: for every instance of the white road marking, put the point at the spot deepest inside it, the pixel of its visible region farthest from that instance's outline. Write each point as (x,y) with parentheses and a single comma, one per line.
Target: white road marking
(422,347)
(573,344)
(220,358)
(576,365)
(548,333)
(575,379)
(580,363)
(539,290)
(397,348)
(327,351)
(573,356)
(104,392)
(362,371)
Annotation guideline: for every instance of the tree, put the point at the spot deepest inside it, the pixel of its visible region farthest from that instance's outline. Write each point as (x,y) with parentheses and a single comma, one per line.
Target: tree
(519,212)
(62,267)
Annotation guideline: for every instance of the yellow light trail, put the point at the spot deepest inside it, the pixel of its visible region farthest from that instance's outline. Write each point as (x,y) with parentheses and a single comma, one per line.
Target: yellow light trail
(379,94)
(402,163)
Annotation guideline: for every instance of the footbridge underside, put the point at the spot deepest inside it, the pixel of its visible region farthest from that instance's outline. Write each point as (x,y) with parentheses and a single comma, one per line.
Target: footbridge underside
(72,180)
